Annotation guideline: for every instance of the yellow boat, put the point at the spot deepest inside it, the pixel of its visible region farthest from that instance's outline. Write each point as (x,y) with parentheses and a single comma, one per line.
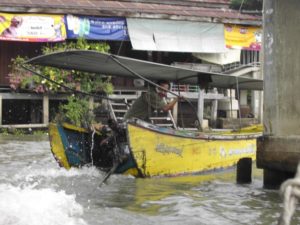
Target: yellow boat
(151,150)
(140,148)
(162,151)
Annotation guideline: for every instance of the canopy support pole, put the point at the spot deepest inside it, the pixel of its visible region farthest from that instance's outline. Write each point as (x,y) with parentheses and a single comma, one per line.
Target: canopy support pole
(200,107)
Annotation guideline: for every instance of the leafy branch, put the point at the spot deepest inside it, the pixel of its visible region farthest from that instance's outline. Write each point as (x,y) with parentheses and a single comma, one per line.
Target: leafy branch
(76,110)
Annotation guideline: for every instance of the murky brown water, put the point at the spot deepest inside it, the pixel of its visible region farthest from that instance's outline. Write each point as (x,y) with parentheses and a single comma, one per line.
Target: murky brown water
(35,191)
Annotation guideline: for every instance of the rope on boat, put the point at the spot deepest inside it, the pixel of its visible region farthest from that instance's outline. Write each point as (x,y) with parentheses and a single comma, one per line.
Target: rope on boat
(290,191)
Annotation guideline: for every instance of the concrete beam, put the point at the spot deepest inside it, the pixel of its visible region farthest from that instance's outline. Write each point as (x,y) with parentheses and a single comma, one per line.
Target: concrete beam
(30,125)
(0,109)
(281,67)
(32,96)
(278,153)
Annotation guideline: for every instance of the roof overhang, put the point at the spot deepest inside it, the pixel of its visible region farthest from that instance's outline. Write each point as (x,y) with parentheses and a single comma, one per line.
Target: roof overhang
(130,9)
(113,65)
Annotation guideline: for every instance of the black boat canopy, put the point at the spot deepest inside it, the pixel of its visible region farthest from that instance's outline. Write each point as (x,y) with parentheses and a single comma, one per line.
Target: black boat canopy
(113,65)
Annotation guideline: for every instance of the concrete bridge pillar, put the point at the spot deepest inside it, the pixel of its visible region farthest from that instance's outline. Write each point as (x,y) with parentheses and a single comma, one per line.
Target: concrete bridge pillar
(279,151)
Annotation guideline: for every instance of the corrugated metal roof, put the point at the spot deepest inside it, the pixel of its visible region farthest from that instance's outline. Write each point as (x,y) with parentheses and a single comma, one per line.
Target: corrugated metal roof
(192,10)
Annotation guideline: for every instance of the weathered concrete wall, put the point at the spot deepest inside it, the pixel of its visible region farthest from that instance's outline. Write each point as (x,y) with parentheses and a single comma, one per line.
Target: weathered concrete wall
(279,151)
(282,67)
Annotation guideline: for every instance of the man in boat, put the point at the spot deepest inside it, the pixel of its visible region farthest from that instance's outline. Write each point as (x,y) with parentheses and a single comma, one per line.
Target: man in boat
(149,101)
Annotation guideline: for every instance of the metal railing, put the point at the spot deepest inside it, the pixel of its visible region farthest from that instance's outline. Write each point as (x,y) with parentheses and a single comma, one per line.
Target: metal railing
(184,88)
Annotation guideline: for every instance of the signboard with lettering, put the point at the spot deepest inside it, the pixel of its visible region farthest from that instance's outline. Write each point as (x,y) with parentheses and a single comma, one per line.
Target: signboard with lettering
(32,27)
(96,28)
(243,37)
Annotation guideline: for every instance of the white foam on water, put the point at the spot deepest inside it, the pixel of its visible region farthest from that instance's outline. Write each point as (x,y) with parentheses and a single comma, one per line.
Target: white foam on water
(28,206)
(30,173)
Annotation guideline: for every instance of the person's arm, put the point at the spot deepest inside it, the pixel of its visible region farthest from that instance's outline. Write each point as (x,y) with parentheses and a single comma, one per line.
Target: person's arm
(170,105)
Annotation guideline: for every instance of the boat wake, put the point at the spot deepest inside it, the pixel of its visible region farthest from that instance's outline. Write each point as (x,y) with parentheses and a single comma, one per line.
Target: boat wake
(28,206)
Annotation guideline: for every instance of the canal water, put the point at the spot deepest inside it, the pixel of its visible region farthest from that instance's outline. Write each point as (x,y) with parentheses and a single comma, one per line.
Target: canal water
(35,191)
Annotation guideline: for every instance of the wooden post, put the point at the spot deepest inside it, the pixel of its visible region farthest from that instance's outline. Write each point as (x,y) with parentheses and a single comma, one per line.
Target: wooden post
(274,178)
(46,109)
(244,171)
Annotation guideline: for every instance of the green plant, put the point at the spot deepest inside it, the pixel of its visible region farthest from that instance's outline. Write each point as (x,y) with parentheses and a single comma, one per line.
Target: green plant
(17,131)
(18,76)
(57,78)
(76,110)
(4,131)
(39,132)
